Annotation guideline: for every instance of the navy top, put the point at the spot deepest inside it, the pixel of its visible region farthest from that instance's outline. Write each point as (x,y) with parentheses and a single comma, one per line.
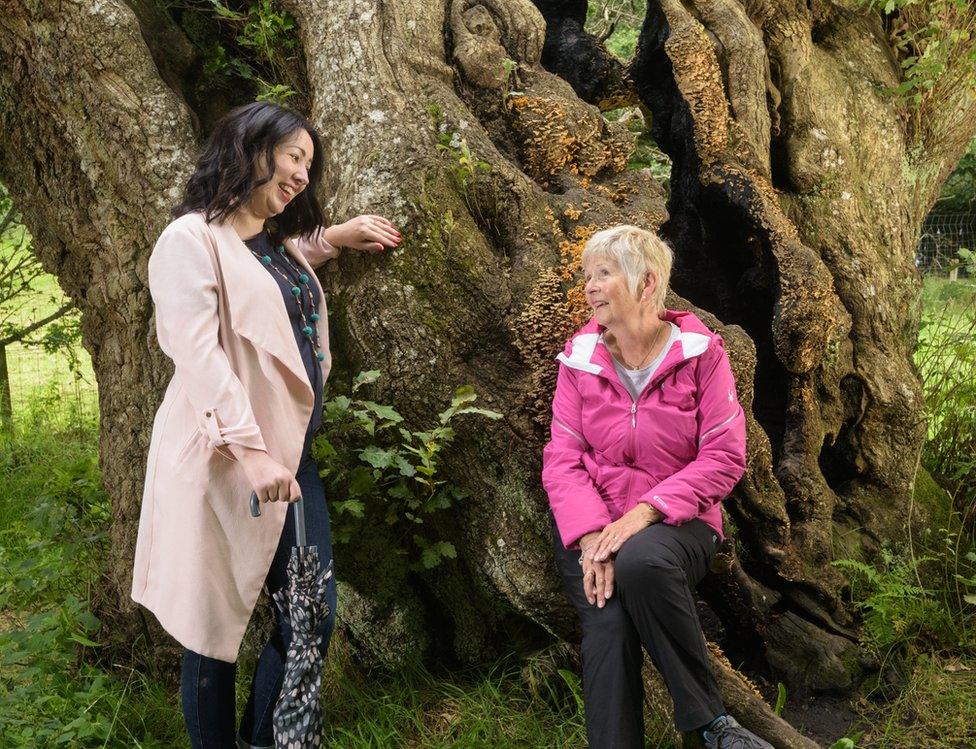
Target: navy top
(284,266)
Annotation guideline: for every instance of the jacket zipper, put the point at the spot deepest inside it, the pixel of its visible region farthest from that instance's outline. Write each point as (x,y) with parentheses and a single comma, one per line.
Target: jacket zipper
(632,451)
(633,428)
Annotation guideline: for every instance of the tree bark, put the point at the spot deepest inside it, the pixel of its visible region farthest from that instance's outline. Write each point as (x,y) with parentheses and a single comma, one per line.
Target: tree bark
(96,149)
(791,212)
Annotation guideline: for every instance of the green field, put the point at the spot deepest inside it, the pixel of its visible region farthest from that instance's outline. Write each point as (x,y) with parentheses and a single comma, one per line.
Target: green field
(34,373)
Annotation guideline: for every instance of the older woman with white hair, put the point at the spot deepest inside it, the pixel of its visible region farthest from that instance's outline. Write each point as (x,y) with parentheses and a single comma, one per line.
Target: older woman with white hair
(647,438)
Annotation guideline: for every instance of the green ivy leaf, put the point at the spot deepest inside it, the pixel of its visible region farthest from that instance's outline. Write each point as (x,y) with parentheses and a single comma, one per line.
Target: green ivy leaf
(446,549)
(440,501)
(366,422)
(323,451)
(361,481)
(340,402)
(365,378)
(464,394)
(352,506)
(480,411)
(430,558)
(378,457)
(406,467)
(384,412)
(400,490)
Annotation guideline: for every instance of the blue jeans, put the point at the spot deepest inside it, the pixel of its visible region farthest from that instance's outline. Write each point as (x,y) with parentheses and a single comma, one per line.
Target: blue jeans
(207,684)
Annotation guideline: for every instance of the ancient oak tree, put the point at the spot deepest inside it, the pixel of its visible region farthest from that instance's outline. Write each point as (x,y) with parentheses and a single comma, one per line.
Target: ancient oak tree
(798,186)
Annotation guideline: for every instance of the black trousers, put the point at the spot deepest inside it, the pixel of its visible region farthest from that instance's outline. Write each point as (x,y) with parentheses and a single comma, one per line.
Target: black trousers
(651,606)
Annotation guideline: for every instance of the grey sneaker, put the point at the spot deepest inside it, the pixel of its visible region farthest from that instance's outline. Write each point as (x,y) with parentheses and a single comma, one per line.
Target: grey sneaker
(726,733)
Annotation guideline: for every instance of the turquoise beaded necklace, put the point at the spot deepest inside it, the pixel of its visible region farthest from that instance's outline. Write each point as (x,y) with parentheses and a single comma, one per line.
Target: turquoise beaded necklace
(308,324)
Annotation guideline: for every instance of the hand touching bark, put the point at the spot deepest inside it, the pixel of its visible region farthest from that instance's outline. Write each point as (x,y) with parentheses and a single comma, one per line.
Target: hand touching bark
(368,233)
(612,537)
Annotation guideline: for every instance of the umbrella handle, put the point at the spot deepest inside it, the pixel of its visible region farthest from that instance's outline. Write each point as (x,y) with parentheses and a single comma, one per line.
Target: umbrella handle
(300,522)
(299,516)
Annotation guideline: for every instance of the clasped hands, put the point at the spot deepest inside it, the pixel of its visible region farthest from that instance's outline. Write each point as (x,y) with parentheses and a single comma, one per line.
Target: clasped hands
(599,547)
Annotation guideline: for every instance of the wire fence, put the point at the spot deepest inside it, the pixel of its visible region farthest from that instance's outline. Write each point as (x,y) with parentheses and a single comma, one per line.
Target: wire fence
(40,381)
(943,235)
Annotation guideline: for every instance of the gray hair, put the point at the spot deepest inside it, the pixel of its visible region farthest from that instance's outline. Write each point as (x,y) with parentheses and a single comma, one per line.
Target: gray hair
(636,251)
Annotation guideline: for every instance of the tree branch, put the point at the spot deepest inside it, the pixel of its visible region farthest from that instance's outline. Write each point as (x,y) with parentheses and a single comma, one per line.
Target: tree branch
(23,333)
(7,219)
(742,699)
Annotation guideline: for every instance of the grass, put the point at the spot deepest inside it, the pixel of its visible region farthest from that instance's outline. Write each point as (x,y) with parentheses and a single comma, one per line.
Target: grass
(933,708)
(54,516)
(918,602)
(946,359)
(490,707)
(948,314)
(623,41)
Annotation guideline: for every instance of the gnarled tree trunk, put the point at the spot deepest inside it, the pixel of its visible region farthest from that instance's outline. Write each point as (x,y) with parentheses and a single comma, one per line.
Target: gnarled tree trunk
(797,193)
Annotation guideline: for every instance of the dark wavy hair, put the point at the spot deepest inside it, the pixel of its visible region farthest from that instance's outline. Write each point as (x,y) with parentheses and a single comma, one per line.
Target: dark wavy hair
(225,176)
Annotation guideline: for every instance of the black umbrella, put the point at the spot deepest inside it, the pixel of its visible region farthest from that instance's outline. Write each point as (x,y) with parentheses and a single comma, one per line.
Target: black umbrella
(298,712)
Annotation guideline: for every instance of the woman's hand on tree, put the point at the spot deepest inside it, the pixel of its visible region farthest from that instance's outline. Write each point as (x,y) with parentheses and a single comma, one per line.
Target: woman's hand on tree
(368,233)
(612,537)
(271,481)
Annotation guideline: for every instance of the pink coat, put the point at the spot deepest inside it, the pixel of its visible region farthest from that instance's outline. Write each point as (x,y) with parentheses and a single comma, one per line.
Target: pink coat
(201,559)
(681,447)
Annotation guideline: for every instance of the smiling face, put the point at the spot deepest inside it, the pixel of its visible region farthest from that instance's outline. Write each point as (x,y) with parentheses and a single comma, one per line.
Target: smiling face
(293,161)
(609,295)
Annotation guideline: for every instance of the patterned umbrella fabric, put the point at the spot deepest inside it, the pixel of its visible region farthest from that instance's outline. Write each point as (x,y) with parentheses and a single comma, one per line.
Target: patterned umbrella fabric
(298,712)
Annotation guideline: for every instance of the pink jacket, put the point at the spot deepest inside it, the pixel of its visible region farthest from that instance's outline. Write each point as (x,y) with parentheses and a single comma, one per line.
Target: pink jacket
(681,447)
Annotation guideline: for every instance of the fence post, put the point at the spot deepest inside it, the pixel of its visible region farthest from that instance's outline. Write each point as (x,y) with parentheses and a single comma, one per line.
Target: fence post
(6,404)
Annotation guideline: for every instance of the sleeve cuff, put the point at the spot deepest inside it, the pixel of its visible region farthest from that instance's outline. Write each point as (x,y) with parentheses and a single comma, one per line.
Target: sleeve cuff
(247,435)
(571,532)
(671,517)
(317,249)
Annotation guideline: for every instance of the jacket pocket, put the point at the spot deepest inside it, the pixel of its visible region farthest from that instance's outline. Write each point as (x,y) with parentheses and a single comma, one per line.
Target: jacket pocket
(188,447)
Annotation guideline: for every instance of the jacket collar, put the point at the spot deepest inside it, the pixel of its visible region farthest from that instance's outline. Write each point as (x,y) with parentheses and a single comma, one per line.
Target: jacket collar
(588,352)
(244,280)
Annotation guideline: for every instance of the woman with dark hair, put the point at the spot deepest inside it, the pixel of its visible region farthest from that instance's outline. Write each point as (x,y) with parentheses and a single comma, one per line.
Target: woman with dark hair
(241,313)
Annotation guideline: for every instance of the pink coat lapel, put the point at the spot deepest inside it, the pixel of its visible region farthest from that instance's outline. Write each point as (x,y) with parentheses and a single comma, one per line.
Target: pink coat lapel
(244,280)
